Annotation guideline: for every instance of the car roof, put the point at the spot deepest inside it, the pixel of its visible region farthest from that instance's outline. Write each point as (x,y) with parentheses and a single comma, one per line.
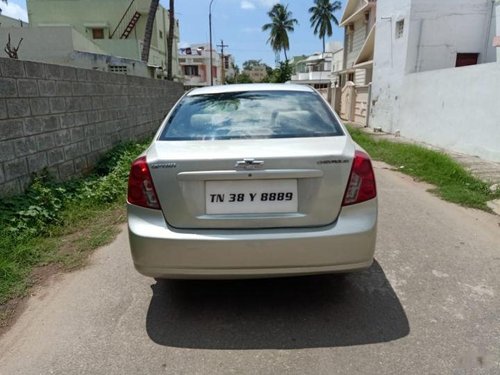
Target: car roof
(249,87)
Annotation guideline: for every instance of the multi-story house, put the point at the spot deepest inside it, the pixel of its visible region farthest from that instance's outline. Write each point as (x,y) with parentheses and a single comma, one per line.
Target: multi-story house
(256,73)
(315,71)
(104,35)
(358,21)
(194,61)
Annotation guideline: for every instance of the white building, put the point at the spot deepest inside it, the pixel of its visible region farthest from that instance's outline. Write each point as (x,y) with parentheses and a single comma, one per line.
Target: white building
(195,65)
(318,69)
(256,73)
(336,78)
(314,71)
(420,85)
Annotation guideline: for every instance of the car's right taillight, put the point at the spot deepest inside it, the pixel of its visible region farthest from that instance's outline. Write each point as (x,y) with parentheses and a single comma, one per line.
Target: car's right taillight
(141,190)
(361,186)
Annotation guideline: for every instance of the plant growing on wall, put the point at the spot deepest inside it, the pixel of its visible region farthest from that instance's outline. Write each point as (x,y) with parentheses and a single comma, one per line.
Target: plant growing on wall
(12,51)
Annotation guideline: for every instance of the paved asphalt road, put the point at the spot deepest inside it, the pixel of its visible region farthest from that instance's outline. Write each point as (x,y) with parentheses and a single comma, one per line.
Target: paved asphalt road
(429,305)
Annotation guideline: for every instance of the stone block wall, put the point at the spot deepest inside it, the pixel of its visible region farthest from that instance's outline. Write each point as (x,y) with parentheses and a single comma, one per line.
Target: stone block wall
(64,118)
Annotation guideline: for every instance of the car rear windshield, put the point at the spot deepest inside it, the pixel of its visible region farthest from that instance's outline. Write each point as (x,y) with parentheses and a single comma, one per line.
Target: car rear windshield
(251,114)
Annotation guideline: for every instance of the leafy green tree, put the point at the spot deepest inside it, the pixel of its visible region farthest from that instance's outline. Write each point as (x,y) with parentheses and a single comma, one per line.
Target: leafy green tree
(244,78)
(282,74)
(250,64)
(281,24)
(322,16)
(233,79)
(269,71)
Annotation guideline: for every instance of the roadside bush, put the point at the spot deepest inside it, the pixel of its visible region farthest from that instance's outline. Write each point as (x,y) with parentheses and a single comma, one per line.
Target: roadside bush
(30,223)
(452,182)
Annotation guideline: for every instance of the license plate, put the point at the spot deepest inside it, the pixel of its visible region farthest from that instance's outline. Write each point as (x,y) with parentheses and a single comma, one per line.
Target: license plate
(251,197)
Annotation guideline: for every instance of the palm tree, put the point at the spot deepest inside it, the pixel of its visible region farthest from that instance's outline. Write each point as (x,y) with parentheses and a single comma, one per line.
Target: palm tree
(170,39)
(281,23)
(322,17)
(149,29)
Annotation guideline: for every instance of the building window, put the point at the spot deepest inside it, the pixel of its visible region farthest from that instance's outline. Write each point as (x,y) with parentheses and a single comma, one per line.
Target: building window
(122,69)
(400,28)
(367,23)
(350,37)
(465,59)
(191,70)
(350,77)
(161,34)
(98,33)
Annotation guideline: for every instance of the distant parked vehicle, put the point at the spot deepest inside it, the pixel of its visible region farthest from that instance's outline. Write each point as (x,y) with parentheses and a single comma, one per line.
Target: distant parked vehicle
(246,181)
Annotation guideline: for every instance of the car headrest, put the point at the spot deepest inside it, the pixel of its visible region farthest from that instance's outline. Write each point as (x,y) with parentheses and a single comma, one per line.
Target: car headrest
(201,121)
(294,118)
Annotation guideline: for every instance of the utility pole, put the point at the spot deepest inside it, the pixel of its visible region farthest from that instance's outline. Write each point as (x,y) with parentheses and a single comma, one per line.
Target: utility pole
(222,71)
(210,32)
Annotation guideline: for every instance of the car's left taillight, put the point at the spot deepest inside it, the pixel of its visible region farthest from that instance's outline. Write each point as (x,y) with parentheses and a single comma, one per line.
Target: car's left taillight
(141,190)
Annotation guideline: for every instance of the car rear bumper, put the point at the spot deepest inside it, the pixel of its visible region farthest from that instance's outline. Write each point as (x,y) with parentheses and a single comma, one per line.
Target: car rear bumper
(164,252)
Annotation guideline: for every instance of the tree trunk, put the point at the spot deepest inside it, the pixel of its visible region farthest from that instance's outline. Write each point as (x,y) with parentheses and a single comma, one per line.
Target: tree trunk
(170,40)
(323,44)
(284,50)
(149,30)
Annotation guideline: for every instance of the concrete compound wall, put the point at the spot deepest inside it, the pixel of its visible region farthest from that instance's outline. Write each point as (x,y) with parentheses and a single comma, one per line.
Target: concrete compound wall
(64,119)
(416,88)
(457,109)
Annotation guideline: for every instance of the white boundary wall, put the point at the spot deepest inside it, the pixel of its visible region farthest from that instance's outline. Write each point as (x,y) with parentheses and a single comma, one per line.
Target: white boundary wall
(457,109)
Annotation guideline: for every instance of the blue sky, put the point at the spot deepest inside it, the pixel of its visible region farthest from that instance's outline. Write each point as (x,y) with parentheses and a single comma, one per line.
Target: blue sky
(237,22)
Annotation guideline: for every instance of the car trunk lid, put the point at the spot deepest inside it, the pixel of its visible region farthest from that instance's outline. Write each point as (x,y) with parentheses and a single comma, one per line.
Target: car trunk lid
(263,183)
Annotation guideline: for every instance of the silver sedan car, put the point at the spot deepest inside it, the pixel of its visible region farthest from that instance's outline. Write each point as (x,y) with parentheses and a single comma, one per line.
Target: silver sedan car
(247,181)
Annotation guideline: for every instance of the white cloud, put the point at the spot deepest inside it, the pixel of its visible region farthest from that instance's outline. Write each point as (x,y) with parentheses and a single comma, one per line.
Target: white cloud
(14,11)
(245,4)
(252,4)
(268,3)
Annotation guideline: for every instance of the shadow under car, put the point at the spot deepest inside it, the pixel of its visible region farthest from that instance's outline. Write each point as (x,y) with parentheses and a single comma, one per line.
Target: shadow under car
(287,313)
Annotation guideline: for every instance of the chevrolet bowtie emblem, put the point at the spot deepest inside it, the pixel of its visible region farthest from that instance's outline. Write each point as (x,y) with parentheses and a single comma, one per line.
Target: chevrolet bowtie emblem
(249,164)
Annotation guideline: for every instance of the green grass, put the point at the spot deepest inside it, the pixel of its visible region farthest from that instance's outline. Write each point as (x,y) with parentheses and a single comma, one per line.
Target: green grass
(452,182)
(60,224)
